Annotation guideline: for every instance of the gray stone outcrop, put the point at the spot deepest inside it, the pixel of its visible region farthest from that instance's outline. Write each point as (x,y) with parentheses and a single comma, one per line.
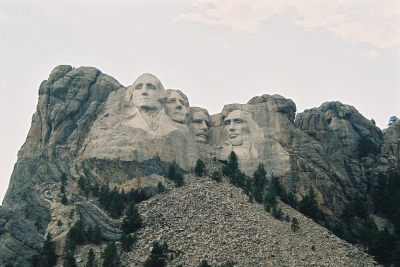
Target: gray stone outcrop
(89,125)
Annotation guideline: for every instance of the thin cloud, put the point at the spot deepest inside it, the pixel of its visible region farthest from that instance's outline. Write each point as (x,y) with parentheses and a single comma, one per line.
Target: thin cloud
(372,22)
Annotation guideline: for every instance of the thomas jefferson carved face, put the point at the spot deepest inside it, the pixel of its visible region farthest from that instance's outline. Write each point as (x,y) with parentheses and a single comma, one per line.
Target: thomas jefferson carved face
(147,92)
(176,107)
(235,127)
(199,124)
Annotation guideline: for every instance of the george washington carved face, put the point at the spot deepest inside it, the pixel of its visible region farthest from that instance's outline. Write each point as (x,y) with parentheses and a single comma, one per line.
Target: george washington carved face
(147,92)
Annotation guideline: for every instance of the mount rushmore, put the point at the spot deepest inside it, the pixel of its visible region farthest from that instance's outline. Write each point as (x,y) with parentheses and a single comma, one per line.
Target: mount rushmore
(89,125)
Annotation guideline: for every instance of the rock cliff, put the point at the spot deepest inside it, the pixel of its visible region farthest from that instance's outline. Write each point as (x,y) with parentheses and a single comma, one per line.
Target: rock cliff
(88,125)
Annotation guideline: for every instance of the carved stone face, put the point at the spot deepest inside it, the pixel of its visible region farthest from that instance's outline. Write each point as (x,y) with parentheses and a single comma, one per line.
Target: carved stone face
(236,127)
(176,108)
(199,125)
(147,93)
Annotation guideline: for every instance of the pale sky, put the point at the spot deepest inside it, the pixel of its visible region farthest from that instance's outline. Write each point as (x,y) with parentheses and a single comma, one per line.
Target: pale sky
(216,51)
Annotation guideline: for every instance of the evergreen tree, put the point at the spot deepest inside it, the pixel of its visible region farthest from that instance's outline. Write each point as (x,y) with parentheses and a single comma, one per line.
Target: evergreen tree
(392,120)
(204,263)
(277,213)
(157,255)
(81,183)
(233,163)
(77,232)
(64,199)
(171,172)
(90,261)
(259,182)
(396,255)
(365,146)
(200,168)
(270,198)
(47,256)
(161,188)
(69,260)
(95,190)
(309,205)
(295,224)
(63,178)
(132,220)
(97,235)
(382,246)
(179,180)
(127,241)
(89,234)
(104,196)
(216,176)
(110,256)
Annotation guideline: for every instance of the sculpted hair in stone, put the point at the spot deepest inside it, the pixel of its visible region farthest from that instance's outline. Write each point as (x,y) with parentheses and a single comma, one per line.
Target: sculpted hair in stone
(197,109)
(168,92)
(130,88)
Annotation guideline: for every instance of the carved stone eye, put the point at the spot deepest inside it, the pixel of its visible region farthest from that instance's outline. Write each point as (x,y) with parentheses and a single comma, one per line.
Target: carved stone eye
(139,86)
(150,86)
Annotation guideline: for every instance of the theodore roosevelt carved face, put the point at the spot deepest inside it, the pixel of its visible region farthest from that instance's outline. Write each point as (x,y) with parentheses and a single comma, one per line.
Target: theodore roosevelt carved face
(147,93)
(236,127)
(199,123)
(176,106)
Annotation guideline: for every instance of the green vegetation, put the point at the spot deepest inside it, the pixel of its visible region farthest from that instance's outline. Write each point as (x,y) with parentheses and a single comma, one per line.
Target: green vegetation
(200,168)
(295,225)
(127,241)
(161,188)
(365,146)
(47,255)
(64,199)
(204,263)
(158,255)
(90,261)
(132,220)
(80,234)
(216,176)
(392,120)
(110,256)
(69,260)
(115,201)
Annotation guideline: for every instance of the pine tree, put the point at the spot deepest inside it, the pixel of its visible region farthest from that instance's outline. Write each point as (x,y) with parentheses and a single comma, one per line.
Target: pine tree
(77,232)
(48,256)
(95,190)
(97,235)
(64,199)
(233,161)
(216,176)
(89,234)
(171,172)
(157,255)
(81,183)
(199,170)
(161,188)
(295,224)
(110,256)
(204,263)
(69,260)
(179,180)
(90,261)
(396,255)
(127,241)
(309,205)
(132,220)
